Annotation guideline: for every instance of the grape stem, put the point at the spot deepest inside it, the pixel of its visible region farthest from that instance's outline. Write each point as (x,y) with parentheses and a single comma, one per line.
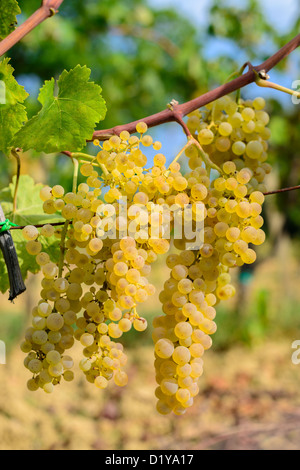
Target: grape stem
(87,158)
(75,174)
(104,169)
(188,144)
(267,84)
(178,117)
(15,153)
(62,248)
(205,156)
(237,73)
(135,313)
(80,156)
(240,72)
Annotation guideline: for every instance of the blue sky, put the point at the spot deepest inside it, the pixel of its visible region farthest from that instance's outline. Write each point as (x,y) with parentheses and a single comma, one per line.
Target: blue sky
(281,14)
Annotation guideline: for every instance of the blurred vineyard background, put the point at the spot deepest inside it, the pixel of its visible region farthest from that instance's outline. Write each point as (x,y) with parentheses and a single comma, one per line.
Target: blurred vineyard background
(144,54)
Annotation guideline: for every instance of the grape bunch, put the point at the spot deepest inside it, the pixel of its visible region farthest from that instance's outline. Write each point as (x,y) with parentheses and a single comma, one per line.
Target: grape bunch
(235,138)
(115,226)
(93,291)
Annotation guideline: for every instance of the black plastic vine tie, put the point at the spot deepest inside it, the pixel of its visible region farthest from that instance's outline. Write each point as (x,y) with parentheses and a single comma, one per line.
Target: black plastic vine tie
(7,246)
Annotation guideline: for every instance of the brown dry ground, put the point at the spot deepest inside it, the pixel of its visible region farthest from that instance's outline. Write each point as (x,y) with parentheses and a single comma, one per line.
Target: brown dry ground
(249,399)
(249,396)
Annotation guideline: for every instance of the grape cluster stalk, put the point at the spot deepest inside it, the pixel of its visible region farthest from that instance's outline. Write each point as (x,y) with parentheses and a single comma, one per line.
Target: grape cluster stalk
(119,221)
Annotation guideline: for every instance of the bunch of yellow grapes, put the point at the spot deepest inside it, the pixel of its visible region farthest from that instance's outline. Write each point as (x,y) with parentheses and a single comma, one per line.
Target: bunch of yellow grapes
(119,221)
(235,138)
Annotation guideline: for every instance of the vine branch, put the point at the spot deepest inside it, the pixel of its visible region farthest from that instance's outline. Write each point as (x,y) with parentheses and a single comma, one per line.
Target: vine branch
(55,224)
(181,110)
(47,9)
(282,190)
(174,113)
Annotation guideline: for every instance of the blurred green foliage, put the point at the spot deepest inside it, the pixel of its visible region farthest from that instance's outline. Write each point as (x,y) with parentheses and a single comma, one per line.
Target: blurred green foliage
(12,327)
(142,58)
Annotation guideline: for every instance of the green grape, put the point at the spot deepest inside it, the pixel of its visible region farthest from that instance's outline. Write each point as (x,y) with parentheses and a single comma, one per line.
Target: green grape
(39,337)
(35,366)
(259,103)
(223,144)
(164,348)
(55,321)
(58,191)
(32,385)
(101,382)
(244,176)
(205,137)
(254,149)
(169,386)
(225,129)
(141,127)
(47,230)
(33,247)
(53,357)
(249,256)
(30,232)
(181,355)
(248,114)
(183,330)
(56,370)
(239,148)
(42,258)
(50,270)
(45,193)
(120,378)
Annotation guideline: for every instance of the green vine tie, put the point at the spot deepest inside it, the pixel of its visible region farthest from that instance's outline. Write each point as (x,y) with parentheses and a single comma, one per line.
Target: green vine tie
(6,225)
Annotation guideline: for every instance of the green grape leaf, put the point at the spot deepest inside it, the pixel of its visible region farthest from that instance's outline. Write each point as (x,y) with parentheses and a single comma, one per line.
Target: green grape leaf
(29,205)
(66,121)
(29,211)
(9,9)
(12,112)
